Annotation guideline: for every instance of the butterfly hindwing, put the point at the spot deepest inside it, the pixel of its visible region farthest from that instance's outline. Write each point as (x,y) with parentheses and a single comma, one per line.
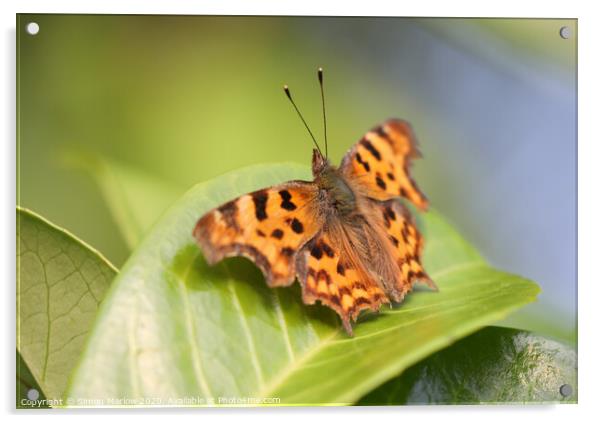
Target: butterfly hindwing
(407,244)
(380,163)
(330,270)
(268,226)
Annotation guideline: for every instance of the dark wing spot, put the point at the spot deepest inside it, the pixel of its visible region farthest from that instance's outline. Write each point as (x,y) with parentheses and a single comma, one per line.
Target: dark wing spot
(390,213)
(386,219)
(311,273)
(403,192)
(297,226)
(390,176)
(277,233)
(285,195)
(405,232)
(329,252)
(260,233)
(288,251)
(382,133)
(229,211)
(316,251)
(228,208)
(363,163)
(335,300)
(260,199)
(287,204)
(362,300)
(359,285)
(380,182)
(340,269)
(344,290)
(394,240)
(371,148)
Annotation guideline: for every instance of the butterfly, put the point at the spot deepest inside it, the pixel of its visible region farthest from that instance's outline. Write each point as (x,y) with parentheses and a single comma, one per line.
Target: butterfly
(346,236)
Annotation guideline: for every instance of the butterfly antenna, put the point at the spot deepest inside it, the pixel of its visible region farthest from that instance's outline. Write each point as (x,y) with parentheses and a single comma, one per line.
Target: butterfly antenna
(321,79)
(288,94)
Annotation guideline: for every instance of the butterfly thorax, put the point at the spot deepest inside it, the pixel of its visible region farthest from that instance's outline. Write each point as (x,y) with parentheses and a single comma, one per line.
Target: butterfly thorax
(333,187)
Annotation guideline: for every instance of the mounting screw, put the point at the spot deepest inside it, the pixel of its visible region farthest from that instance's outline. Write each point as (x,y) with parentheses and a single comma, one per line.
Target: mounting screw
(33,394)
(566,390)
(32,28)
(565,32)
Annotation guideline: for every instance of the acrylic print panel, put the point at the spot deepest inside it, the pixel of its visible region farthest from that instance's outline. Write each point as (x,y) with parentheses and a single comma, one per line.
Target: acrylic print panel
(459,138)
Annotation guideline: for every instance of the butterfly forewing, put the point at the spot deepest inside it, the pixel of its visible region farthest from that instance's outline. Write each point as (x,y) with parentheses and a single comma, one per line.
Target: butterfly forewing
(268,226)
(380,163)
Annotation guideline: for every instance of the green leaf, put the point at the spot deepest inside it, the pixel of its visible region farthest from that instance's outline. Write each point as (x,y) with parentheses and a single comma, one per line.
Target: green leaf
(172,327)
(60,282)
(494,365)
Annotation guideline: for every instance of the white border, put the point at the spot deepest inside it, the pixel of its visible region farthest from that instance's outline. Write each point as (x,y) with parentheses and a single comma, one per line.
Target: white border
(589,177)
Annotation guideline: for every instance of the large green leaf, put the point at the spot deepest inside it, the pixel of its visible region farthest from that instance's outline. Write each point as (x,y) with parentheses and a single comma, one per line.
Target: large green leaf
(60,282)
(172,327)
(494,365)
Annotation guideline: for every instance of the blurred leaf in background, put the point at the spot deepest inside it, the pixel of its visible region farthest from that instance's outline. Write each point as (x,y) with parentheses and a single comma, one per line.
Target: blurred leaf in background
(186,98)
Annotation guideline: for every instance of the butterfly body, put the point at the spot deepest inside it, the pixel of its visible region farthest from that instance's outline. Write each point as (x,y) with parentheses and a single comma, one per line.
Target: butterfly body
(346,236)
(337,195)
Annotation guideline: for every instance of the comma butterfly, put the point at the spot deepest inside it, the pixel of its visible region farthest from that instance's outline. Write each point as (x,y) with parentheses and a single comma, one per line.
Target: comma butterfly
(345,236)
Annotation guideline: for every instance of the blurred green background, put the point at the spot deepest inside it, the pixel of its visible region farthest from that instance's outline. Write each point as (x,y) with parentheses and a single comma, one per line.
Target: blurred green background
(186,98)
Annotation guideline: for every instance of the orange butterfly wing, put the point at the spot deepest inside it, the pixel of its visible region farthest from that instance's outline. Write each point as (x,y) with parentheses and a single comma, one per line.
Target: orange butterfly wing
(379,164)
(268,226)
(331,271)
(407,243)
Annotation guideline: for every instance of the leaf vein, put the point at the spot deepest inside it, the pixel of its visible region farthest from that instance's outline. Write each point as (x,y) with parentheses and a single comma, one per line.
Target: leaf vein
(283,325)
(191,329)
